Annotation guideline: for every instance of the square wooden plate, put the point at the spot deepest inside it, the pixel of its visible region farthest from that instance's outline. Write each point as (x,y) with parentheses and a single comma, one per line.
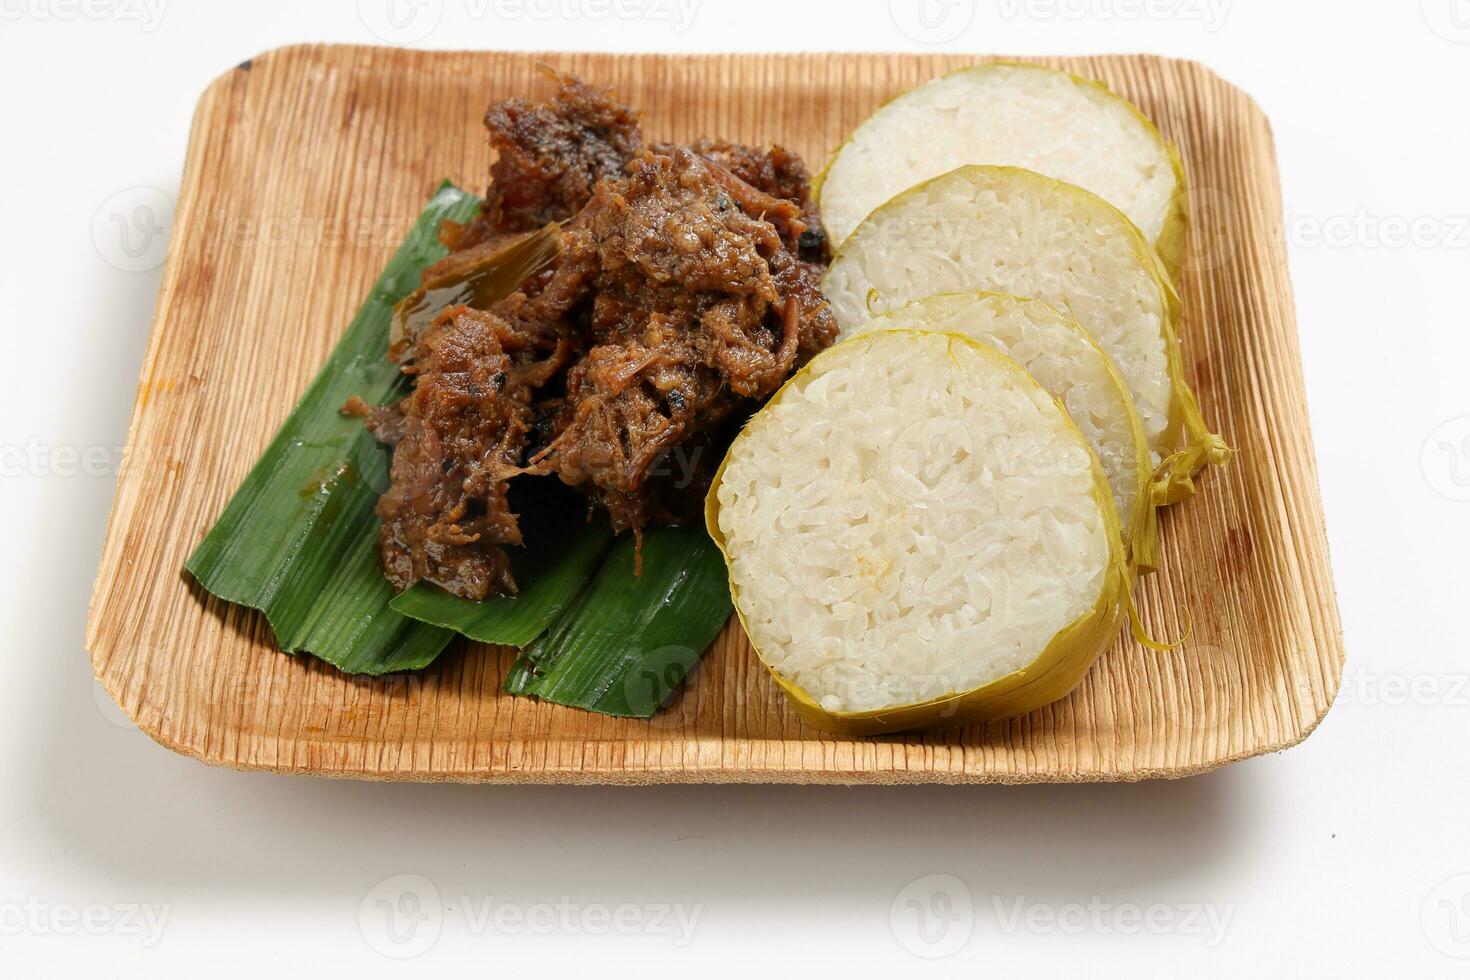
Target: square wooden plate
(305,168)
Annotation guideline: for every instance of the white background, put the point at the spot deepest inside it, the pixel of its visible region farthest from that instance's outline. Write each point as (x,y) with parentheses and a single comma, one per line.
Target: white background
(1338,858)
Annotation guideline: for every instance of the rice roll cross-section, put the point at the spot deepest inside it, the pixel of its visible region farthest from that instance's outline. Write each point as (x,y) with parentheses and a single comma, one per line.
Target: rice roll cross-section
(918,535)
(1007,230)
(1067,362)
(1016,115)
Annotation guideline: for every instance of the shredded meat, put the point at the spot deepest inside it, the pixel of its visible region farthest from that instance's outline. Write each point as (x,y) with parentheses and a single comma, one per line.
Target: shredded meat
(779,174)
(685,292)
(550,157)
(457,438)
(627,405)
(688,324)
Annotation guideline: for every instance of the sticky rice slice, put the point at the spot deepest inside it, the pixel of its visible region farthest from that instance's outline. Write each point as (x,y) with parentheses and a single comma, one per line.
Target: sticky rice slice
(1007,230)
(1068,363)
(1006,114)
(917,534)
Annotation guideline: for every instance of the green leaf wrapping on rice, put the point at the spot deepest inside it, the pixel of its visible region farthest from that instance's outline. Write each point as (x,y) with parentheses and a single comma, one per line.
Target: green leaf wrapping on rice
(978,580)
(1012,114)
(1008,230)
(1068,363)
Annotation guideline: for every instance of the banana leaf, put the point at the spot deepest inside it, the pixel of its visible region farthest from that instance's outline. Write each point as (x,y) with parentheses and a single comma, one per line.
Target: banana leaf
(563,552)
(630,639)
(298,541)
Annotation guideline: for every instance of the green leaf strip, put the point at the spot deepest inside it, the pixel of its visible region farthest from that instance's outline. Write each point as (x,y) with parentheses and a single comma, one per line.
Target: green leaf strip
(298,541)
(628,642)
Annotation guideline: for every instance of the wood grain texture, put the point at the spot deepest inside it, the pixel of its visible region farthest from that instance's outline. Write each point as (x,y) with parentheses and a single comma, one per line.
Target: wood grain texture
(305,168)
